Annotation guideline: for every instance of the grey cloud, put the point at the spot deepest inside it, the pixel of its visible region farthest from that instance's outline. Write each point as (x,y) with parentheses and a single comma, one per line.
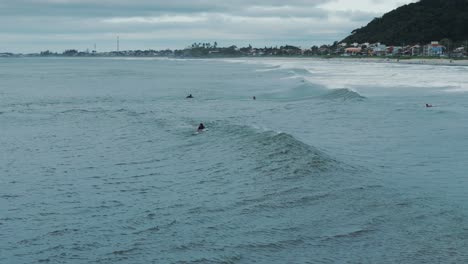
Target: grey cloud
(65,24)
(284,11)
(357,16)
(116,7)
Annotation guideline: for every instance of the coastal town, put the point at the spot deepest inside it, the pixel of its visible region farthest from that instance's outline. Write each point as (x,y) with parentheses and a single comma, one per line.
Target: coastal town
(435,49)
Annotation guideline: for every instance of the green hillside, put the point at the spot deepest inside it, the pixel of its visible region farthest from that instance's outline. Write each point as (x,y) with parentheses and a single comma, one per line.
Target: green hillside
(420,22)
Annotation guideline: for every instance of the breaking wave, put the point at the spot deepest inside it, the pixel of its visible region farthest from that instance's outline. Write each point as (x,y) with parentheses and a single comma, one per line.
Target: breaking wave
(277,153)
(343,94)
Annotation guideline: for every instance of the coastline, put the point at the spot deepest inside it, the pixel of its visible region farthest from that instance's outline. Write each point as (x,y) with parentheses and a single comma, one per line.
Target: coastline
(403,60)
(417,61)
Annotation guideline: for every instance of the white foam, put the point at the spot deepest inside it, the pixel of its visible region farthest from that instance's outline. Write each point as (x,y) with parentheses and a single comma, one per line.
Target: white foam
(352,74)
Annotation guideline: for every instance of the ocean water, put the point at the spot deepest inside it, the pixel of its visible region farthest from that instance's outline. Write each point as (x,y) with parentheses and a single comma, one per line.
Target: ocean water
(335,162)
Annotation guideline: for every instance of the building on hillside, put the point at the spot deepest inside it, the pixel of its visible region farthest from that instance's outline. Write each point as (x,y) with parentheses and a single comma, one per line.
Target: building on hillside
(394,50)
(353,51)
(434,49)
(378,49)
(415,50)
(459,52)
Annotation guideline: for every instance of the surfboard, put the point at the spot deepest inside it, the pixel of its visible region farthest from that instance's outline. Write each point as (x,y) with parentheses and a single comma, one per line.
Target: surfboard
(200,131)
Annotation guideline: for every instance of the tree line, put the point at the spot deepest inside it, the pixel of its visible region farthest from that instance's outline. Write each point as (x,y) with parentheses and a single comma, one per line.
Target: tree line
(421,22)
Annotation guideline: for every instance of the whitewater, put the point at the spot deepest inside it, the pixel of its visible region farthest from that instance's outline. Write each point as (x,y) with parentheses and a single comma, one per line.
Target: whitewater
(336,161)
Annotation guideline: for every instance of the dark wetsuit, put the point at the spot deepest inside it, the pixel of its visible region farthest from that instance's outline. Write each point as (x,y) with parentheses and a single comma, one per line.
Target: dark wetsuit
(201,127)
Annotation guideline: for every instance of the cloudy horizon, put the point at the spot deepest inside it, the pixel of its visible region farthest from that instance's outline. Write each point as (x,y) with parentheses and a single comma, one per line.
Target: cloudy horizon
(56,25)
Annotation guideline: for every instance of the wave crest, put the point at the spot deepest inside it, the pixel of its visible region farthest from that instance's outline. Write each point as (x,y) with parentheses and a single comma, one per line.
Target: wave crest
(343,94)
(278,154)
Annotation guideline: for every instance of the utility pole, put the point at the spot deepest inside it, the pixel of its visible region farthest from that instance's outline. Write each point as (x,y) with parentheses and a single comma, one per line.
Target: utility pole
(118,44)
(448,51)
(466,47)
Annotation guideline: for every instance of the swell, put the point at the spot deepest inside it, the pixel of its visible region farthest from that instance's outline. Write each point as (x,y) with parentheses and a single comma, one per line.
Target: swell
(277,153)
(303,90)
(343,94)
(299,91)
(306,89)
(290,72)
(102,111)
(298,72)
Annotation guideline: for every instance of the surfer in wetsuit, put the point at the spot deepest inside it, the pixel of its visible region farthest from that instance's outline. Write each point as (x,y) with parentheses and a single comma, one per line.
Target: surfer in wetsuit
(428,105)
(189,96)
(255,98)
(201,127)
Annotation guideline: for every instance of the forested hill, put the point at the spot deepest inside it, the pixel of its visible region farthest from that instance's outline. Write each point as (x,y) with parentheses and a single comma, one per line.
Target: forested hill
(420,22)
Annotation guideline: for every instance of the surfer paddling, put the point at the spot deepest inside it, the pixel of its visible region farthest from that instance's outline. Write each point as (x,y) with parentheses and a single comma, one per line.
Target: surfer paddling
(200,127)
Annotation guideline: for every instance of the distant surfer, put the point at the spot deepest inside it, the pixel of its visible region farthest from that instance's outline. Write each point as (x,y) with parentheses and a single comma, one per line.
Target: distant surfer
(255,98)
(428,105)
(189,96)
(201,127)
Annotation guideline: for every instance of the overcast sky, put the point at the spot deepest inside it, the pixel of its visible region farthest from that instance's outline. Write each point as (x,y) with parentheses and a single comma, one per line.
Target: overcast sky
(36,25)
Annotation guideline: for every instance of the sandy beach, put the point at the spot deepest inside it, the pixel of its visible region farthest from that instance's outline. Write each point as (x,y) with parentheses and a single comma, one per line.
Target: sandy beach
(422,61)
